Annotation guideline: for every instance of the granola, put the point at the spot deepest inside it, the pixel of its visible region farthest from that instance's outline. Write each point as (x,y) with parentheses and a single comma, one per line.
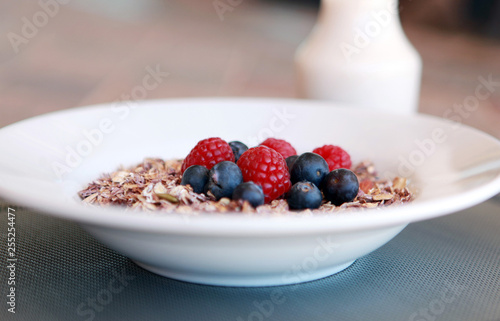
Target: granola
(154,185)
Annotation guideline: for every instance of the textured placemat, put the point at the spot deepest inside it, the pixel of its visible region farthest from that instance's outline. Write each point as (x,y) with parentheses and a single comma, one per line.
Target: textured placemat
(442,269)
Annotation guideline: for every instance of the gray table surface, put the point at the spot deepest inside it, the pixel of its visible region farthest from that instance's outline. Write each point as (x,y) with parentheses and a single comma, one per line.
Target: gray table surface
(442,269)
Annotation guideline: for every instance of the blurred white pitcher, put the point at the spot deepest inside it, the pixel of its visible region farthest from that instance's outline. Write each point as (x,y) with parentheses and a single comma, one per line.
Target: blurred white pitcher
(358,54)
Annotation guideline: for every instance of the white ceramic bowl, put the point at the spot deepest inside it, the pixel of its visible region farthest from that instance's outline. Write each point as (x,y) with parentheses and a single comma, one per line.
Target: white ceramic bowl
(46,160)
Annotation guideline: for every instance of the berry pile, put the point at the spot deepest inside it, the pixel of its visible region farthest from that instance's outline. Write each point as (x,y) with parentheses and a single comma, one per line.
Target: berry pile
(269,171)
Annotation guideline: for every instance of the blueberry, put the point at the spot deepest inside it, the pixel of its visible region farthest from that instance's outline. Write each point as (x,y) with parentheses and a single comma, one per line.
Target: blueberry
(249,191)
(304,195)
(340,186)
(197,177)
(309,167)
(238,149)
(290,160)
(223,179)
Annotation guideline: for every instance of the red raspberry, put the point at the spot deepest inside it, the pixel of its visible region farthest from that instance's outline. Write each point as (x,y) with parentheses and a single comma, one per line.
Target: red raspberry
(335,156)
(208,152)
(281,146)
(266,167)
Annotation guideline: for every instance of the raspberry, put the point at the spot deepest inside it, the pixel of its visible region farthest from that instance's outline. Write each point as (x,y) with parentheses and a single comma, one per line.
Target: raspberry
(266,167)
(335,156)
(208,152)
(281,146)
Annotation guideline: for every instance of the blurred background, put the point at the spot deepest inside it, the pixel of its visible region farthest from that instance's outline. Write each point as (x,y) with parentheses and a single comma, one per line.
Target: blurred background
(58,54)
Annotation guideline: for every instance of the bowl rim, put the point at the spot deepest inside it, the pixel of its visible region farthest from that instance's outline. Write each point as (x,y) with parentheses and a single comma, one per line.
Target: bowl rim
(238,224)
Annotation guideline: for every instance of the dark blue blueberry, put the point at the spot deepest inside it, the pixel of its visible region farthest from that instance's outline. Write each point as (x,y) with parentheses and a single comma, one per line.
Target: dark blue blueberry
(309,167)
(223,179)
(249,191)
(340,186)
(290,160)
(304,195)
(238,149)
(197,177)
